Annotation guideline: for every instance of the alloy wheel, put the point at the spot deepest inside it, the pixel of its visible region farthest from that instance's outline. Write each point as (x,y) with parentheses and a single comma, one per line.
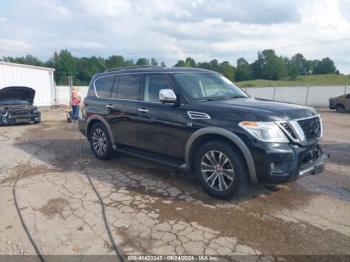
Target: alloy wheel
(217,170)
(99,141)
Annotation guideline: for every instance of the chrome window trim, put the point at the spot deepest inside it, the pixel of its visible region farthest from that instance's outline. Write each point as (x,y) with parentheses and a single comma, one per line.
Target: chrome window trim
(139,73)
(121,99)
(114,75)
(95,85)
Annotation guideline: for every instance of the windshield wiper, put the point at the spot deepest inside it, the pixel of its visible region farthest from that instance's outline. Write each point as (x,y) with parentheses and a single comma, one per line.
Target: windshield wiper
(209,99)
(228,97)
(220,98)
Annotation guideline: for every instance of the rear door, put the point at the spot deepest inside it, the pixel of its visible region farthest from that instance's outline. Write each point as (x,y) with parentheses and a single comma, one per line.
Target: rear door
(123,108)
(160,126)
(99,96)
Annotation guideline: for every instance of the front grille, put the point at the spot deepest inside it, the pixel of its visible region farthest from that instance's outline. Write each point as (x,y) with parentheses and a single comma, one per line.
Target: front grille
(21,112)
(311,127)
(289,130)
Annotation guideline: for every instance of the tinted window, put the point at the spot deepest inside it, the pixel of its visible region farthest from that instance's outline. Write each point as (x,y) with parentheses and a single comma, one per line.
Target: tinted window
(153,84)
(104,86)
(348,96)
(208,86)
(128,87)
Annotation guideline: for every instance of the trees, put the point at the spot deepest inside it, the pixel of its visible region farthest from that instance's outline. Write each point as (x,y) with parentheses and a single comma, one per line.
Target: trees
(154,62)
(268,65)
(299,63)
(243,70)
(27,60)
(65,64)
(325,66)
(142,62)
(204,65)
(115,61)
(227,70)
(273,67)
(180,63)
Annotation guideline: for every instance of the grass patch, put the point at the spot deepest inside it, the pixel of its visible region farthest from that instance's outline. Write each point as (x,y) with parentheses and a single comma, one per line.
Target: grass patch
(312,80)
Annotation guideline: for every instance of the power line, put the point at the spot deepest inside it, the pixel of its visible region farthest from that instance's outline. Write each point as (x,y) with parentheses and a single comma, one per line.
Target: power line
(313,43)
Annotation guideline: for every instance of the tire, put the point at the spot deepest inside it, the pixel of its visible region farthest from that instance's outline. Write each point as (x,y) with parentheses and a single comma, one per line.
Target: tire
(100,142)
(230,159)
(340,108)
(37,121)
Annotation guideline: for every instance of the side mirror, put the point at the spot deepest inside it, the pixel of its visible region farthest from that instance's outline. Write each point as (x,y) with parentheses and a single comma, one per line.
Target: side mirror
(167,96)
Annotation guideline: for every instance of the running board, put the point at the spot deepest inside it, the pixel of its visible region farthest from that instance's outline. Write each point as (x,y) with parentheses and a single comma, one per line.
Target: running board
(165,160)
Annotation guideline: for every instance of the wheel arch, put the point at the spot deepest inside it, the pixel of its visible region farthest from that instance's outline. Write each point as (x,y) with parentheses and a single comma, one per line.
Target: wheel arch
(211,133)
(339,104)
(99,119)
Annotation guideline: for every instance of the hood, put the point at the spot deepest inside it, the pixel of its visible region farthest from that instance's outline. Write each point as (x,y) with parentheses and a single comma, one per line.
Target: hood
(17,93)
(254,109)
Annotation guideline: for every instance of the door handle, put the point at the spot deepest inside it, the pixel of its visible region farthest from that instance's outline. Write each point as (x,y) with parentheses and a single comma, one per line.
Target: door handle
(142,110)
(109,106)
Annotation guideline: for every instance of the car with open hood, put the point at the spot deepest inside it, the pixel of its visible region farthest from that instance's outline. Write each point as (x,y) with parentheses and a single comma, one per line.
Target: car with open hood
(16,106)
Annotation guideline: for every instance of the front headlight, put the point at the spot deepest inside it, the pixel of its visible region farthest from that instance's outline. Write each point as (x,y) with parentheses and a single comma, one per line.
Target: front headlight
(265,131)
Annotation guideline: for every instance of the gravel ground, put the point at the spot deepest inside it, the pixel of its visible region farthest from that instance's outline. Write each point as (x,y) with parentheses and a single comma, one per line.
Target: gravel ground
(155,210)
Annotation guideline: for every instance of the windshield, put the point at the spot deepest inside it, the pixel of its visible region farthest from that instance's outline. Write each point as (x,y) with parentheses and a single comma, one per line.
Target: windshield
(208,86)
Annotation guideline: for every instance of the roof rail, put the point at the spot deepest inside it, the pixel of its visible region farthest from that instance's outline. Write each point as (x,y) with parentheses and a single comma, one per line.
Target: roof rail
(133,67)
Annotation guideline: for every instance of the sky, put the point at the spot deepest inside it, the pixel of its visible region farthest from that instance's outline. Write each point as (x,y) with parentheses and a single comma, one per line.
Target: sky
(169,30)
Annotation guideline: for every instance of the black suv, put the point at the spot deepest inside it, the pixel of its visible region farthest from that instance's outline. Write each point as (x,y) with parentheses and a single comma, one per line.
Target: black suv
(197,120)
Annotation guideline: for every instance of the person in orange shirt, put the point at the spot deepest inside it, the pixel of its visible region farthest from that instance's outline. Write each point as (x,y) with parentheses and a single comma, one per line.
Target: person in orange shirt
(75,103)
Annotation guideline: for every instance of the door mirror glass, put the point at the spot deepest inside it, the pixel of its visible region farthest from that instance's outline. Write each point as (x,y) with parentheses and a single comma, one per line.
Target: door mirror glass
(167,96)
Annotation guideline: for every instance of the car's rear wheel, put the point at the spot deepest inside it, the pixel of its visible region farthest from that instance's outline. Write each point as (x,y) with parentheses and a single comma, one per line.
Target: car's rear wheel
(220,169)
(340,108)
(100,142)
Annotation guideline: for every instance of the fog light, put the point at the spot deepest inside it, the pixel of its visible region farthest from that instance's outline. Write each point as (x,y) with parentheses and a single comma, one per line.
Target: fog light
(279,168)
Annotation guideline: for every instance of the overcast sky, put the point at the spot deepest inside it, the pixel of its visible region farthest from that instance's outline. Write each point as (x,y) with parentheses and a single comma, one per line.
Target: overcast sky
(171,30)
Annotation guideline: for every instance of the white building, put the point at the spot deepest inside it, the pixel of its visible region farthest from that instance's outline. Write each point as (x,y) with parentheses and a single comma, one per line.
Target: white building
(39,78)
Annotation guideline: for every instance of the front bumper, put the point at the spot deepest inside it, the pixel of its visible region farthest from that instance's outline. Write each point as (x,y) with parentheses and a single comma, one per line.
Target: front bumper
(8,118)
(314,168)
(277,163)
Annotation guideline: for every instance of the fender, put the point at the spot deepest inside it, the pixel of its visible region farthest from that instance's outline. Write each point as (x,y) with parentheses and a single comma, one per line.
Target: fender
(105,123)
(229,135)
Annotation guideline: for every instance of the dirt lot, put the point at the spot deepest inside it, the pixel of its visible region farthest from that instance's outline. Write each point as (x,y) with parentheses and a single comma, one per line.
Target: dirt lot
(152,209)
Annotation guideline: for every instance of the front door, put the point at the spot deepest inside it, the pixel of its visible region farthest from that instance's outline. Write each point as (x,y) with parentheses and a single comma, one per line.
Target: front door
(161,127)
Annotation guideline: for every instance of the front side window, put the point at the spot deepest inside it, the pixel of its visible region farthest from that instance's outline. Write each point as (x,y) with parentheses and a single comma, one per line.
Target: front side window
(104,85)
(128,87)
(208,86)
(153,84)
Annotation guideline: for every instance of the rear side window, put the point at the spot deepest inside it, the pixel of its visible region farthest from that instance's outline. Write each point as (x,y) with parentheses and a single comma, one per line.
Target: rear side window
(104,85)
(128,87)
(348,96)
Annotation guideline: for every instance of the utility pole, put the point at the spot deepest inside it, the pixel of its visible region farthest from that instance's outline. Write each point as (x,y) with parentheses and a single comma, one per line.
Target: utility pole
(70,84)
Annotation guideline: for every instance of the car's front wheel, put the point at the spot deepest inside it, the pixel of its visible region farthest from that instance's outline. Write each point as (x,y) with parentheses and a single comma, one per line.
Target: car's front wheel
(220,169)
(100,142)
